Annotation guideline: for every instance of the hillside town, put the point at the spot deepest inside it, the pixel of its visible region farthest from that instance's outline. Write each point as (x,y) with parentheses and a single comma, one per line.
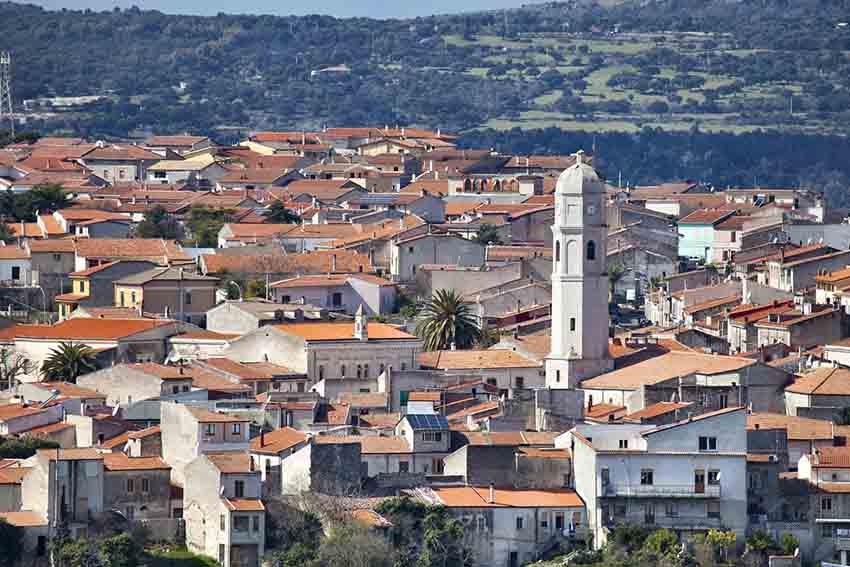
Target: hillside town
(346,319)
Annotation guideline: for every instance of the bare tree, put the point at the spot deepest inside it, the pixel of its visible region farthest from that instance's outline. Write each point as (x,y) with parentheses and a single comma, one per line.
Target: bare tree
(12,365)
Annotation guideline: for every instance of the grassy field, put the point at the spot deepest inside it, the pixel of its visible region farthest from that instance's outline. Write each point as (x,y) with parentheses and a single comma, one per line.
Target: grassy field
(597,60)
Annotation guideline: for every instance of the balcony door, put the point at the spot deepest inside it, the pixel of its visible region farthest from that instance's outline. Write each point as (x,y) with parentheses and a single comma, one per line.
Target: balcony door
(699,481)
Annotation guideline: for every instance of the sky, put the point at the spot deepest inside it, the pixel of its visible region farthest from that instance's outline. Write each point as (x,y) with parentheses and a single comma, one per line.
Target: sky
(338,8)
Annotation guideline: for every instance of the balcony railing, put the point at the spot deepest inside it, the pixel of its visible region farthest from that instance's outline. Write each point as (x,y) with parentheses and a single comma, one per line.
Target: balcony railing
(833,514)
(661,490)
(841,543)
(673,522)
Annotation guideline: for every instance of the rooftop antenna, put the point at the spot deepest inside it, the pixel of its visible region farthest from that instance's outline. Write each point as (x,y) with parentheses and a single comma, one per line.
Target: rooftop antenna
(6,90)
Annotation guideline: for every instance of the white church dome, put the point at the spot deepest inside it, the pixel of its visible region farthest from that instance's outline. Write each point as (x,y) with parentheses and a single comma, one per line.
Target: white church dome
(579,179)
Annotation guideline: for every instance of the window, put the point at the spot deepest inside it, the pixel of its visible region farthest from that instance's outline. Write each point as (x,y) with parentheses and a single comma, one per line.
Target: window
(131,485)
(381,368)
(713,477)
(188,298)
(57,257)
(647,476)
(321,372)
(285,299)
(404,366)
(236,429)
(336,299)
(130,512)
(649,513)
(410,249)
(624,443)
(132,298)
(121,295)
(41,547)
(519,523)
(826,503)
(16,272)
(734,236)
(241,523)
(708,443)
(591,250)
(826,530)
(557,376)
(255,523)
(671,509)
(723,400)
(122,174)
(221,522)
(712,509)
(175,389)
(558,251)
(365,370)
(360,371)
(209,429)
(146,485)
(342,371)
(568,479)
(185,388)
(239,488)
(432,436)
(403,467)
(572,323)
(559,522)
(492,382)
(520,382)
(221,553)
(605,474)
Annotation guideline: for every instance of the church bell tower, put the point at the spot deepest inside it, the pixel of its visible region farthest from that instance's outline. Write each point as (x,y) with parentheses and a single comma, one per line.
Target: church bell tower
(579,348)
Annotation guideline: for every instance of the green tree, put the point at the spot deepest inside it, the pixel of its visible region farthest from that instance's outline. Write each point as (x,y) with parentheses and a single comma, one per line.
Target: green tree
(23,447)
(158,223)
(204,224)
(256,288)
(6,234)
(789,543)
(660,543)
(442,542)
(46,199)
(11,544)
(67,362)
(616,272)
(278,213)
(760,542)
(445,319)
(288,526)
(488,234)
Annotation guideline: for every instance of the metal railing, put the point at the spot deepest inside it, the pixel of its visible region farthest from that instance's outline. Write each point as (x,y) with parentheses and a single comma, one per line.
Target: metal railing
(661,490)
(673,522)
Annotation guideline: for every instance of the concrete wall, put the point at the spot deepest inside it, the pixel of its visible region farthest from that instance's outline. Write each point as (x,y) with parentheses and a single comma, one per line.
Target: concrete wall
(406,256)
(155,503)
(123,385)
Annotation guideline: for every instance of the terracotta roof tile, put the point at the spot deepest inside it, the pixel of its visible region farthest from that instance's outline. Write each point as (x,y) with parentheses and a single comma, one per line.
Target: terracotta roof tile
(475,497)
(82,329)
(665,367)
(122,462)
(342,331)
(207,416)
(828,457)
(231,462)
(319,262)
(824,381)
(244,504)
(474,359)
(24,519)
(655,410)
(796,428)
(13,475)
(544,453)
(278,440)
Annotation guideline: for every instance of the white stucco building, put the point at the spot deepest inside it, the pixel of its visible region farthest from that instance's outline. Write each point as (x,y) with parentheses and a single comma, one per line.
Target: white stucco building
(688,476)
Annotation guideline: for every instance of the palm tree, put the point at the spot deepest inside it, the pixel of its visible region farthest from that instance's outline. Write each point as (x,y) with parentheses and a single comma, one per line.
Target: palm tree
(68,361)
(445,319)
(488,234)
(615,274)
(278,213)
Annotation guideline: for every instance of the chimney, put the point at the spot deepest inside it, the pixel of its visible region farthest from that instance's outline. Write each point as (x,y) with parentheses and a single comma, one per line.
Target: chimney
(492,497)
(453,346)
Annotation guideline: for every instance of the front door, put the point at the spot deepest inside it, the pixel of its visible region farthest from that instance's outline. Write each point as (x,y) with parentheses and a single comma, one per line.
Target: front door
(699,481)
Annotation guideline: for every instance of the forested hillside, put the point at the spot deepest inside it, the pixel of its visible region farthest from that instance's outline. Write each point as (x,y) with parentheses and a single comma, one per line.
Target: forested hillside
(727,66)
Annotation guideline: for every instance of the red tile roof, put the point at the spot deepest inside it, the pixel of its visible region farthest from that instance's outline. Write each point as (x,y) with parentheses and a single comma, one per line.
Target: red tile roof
(83,329)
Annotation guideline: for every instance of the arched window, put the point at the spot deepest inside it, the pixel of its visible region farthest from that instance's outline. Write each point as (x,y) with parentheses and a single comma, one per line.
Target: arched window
(359,371)
(591,250)
(497,186)
(467,186)
(342,371)
(557,250)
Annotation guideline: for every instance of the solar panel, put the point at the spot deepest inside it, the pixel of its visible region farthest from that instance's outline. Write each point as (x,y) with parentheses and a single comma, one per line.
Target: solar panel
(427,421)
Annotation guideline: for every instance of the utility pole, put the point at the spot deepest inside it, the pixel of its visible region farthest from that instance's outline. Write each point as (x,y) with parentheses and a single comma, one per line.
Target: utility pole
(6,90)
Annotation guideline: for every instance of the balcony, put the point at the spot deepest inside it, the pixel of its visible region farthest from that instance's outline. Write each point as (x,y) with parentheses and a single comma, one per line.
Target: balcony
(841,543)
(676,523)
(660,491)
(825,516)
